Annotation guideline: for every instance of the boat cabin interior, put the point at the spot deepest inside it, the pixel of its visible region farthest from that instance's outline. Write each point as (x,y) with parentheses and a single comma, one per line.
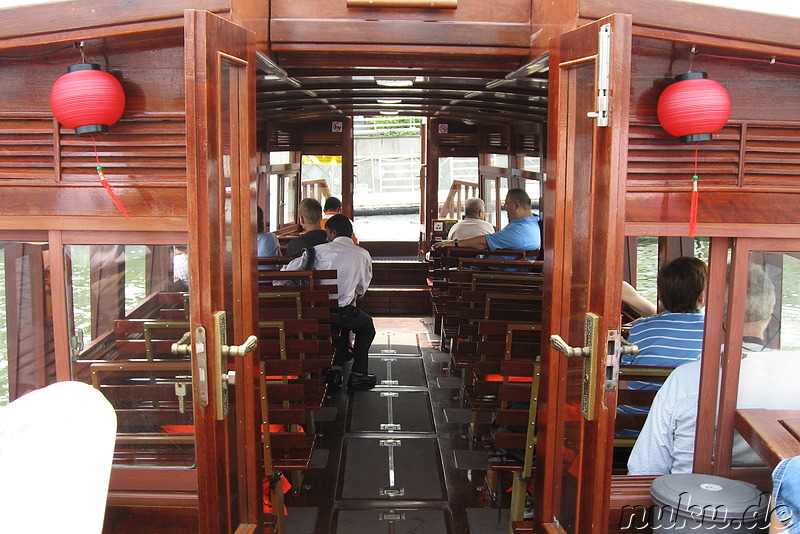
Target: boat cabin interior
(129,261)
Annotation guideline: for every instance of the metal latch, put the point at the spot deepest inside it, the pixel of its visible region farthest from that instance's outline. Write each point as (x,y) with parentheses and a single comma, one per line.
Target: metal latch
(602,78)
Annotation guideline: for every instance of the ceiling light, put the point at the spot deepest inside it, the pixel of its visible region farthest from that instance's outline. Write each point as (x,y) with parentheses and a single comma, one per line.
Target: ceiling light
(394,82)
(389,101)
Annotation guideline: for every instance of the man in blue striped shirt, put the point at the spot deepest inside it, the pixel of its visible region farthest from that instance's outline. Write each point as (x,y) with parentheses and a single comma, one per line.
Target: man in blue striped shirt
(674,336)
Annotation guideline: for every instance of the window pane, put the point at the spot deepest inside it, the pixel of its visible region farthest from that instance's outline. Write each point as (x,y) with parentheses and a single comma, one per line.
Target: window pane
(770,365)
(126,307)
(498,160)
(458,181)
(27,357)
(322,177)
(386,186)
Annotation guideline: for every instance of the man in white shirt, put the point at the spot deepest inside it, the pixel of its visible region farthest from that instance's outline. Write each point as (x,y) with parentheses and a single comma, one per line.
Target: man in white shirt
(473,223)
(666,443)
(353,267)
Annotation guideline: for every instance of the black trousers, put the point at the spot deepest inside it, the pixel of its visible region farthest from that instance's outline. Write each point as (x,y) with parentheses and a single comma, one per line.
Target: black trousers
(352,319)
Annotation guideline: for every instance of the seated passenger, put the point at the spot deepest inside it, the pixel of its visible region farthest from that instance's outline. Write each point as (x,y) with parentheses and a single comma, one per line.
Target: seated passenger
(521,233)
(674,336)
(268,246)
(473,223)
(666,444)
(333,206)
(353,266)
(310,213)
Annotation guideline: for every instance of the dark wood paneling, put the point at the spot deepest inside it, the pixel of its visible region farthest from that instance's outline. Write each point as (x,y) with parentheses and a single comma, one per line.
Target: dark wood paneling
(737,208)
(50,18)
(364,33)
(80,201)
(758,91)
(468,10)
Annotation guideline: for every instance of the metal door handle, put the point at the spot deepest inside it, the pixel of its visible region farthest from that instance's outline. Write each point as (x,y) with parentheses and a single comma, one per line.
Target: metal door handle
(561,346)
(249,345)
(183,347)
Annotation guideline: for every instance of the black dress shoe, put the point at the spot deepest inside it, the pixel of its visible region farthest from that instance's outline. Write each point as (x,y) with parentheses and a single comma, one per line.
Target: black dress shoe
(334,380)
(361,382)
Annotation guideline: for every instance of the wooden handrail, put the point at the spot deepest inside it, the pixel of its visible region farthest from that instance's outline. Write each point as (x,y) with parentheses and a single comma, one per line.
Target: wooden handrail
(454,202)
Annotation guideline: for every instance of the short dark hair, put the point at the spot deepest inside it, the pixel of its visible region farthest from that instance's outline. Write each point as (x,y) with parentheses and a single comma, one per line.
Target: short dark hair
(260,220)
(333,204)
(341,225)
(519,195)
(680,283)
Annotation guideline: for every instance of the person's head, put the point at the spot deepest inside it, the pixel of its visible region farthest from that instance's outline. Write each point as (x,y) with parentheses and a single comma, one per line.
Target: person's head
(682,285)
(310,213)
(333,204)
(260,220)
(338,226)
(474,208)
(517,204)
(760,299)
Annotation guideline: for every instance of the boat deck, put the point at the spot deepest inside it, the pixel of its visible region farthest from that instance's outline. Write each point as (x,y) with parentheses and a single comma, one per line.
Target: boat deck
(398,458)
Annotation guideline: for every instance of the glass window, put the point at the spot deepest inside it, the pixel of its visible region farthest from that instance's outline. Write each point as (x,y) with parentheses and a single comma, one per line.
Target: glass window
(532,164)
(127,305)
(280,157)
(498,160)
(458,181)
(386,185)
(27,355)
(322,177)
(770,347)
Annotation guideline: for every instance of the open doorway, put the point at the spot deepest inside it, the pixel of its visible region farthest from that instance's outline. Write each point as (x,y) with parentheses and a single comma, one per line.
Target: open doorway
(386,192)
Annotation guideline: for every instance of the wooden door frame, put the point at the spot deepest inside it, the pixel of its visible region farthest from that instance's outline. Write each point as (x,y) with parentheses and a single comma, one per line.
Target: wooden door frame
(594,470)
(205,33)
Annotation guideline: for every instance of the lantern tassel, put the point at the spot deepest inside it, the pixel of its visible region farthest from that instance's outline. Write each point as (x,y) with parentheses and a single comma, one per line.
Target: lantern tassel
(106,185)
(693,207)
(111,192)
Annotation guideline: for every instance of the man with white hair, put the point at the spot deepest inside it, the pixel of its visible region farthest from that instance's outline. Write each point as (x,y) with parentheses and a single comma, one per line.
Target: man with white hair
(473,223)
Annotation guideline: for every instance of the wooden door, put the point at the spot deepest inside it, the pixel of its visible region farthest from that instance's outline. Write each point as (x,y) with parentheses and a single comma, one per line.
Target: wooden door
(584,226)
(220,110)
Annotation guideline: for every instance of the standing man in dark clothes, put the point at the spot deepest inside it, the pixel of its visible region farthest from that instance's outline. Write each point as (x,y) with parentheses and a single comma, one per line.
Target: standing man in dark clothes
(310,213)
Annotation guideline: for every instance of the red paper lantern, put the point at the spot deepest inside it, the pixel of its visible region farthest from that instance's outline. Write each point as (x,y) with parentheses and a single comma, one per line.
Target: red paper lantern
(694,107)
(87,99)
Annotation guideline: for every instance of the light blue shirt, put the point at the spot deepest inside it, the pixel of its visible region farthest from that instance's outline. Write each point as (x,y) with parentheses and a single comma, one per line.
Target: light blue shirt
(519,234)
(667,339)
(268,246)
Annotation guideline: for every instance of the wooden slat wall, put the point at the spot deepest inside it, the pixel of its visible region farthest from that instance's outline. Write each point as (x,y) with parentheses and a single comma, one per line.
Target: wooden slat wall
(147,150)
(749,156)
(134,151)
(26,147)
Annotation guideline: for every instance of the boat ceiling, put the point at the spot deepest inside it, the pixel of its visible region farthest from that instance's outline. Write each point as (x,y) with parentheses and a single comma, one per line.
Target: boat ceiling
(481,90)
